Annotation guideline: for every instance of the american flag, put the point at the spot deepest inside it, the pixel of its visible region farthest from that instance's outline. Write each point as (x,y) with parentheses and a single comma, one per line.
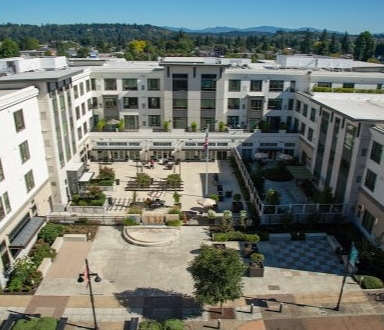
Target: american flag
(206,141)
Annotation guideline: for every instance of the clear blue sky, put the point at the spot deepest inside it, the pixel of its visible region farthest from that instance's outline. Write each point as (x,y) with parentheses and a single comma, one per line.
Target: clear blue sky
(353,16)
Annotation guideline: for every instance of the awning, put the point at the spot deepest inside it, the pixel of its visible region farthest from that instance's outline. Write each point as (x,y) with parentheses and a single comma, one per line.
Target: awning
(301,173)
(86,177)
(27,233)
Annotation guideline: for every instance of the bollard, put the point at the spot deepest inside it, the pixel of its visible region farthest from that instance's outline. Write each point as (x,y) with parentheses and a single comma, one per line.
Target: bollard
(281,307)
(218,323)
(251,311)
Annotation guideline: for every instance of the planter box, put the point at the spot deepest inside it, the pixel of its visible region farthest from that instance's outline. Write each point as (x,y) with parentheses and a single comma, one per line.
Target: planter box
(255,270)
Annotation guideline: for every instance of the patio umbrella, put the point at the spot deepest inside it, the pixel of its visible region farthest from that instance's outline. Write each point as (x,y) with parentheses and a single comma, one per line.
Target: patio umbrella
(113,122)
(206,202)
(261,155)
(285,157)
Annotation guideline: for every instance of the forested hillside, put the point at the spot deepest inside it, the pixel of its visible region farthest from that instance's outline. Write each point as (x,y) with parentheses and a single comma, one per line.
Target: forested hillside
(147,42)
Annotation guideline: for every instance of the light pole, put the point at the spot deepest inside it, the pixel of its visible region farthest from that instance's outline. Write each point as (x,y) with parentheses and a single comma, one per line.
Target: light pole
(86,276)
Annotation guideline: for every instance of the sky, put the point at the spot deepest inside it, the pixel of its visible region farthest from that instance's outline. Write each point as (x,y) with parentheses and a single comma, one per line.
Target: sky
(352,16)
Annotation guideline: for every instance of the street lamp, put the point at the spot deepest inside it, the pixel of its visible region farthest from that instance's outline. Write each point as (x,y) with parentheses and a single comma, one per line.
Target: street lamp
(86,276)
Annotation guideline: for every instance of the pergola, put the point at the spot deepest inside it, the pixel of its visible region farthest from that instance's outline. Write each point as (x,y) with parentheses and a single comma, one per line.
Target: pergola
(301,173)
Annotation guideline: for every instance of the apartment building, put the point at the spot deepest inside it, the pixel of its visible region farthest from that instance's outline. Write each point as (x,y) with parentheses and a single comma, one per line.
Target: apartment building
(282,106)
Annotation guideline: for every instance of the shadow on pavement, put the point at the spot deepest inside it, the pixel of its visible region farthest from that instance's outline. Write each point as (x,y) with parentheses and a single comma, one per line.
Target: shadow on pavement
(159,305)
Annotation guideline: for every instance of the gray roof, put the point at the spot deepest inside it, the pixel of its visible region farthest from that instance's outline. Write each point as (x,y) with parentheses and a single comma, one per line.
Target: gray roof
(358,107)
(42,75)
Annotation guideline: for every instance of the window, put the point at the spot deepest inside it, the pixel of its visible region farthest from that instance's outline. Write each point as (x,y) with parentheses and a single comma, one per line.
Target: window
(376,152)
(77,109)
(256,104)
(130,84)
(368,221)
(234,85)
(1,172)
(19,120)
(110,84)
(76,91)
(110,102)
(29,181)
(302,129)
(153,84)
(256,85)
(276,85)
(275,104)
(313,115)
(79,133)
(153,102)
(349,139)
(233,103)
(208,82)
(310,134)
(180,82)
(305,110)
(324,84)
(87,85)
(298,106)
(180,104)
(290,104)
(154,121)
(130,103)
(7,204)
(24,151)
(2,211)
(370,180)
(81,88)
(208,104)
(348,85)
(93,84)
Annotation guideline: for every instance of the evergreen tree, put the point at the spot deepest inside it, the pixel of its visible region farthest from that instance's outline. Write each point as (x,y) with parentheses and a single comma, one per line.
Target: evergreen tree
(334,45)
(364,46)
(346,44)
(306,44)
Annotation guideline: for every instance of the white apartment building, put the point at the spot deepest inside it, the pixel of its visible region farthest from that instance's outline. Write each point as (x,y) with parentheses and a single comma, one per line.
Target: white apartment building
(273,107)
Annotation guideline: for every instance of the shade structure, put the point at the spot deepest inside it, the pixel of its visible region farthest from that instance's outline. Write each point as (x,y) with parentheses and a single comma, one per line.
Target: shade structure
(285,157)
(261,155)
(206,202)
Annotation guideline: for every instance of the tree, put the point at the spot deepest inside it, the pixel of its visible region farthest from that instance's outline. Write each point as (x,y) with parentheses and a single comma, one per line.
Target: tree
(28,43)
(217,274)
(364,46)
(9,48)
(346,44)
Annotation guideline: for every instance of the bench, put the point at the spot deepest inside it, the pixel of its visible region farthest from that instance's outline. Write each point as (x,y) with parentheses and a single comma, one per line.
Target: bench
(335,245)
(75,237)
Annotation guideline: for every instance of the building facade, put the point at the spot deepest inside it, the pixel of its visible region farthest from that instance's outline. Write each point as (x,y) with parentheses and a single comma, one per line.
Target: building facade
(327,112)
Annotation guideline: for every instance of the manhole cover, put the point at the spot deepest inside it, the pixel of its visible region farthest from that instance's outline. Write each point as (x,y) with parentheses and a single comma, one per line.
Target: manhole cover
(273,287)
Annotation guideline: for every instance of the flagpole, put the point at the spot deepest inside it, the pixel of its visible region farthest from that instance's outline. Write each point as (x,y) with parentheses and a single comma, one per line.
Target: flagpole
(206,161)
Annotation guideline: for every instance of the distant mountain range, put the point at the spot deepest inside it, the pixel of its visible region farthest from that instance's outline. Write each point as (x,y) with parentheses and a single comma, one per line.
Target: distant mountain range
(258,29)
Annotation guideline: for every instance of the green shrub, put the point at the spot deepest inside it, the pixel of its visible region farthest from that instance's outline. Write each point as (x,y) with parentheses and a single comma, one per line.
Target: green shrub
(130,221)
(369,282)
(43,323)
(173,324)
(50,232)
(135,210)
(42,250)
(150,325)
(235,236)
(174,223)
(174,211)
(24,275)
(256,257)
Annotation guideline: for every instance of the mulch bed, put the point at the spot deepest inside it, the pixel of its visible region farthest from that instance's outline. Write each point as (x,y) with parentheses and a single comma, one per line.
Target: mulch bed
(228,313)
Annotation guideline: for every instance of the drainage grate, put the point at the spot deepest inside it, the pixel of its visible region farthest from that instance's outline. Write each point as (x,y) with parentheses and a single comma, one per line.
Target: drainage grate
(273,287)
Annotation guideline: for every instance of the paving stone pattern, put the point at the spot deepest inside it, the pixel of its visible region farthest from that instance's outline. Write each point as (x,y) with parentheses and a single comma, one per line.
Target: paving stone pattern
(311,256)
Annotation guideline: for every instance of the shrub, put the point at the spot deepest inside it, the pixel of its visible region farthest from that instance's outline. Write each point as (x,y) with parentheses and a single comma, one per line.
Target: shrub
(256,257)
(50,232)
(173,324)
(369,282)
(235,236)
(24,275)
(42,250)
(174,223)
(135,210)
(41,323)
(130,221)
(150,325)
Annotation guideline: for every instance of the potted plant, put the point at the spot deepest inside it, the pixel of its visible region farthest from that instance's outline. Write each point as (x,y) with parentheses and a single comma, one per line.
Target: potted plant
(255,265)
(221,126)
(194,126)
(101,124)
(176,198)
(166,125)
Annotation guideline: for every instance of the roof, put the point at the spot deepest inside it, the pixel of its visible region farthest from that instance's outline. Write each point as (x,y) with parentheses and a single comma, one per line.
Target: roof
(358,107)
(27,233)
(301,173)
(42,75)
